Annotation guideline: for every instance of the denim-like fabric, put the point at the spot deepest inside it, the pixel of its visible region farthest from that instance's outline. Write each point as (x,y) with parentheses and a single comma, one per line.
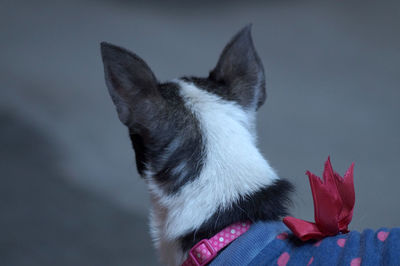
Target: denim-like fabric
(273,244)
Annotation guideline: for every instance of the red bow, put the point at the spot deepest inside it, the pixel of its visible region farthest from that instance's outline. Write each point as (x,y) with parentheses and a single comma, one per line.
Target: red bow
(333,205)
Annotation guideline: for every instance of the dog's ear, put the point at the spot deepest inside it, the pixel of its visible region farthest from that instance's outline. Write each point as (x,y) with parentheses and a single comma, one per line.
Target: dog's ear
(132,86)
(241,70)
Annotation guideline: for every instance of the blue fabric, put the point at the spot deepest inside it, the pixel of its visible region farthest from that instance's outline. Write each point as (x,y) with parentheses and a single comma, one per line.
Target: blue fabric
(262,246)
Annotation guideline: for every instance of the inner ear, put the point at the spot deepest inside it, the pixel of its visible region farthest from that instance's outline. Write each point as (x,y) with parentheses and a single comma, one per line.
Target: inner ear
(241,70)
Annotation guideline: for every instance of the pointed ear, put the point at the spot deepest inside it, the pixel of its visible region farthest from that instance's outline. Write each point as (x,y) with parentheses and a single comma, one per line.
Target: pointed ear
(241,70)
(131,84)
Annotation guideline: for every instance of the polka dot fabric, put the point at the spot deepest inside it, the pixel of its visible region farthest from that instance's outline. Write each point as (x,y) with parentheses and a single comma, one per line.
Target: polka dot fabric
(332,249)
(206,250)
(271,243)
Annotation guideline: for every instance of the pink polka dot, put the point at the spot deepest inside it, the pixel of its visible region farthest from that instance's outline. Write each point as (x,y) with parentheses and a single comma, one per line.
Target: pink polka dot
(355,262)
(282,236)
(382,235)
(310,261)
(341,242)
(283,259)
(317,243)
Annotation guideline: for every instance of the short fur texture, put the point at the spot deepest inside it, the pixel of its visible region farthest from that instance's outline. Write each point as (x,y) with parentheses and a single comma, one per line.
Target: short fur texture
(195,145)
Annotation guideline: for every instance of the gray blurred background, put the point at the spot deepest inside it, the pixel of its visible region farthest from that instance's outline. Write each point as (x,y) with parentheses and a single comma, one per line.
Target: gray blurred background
(69,191)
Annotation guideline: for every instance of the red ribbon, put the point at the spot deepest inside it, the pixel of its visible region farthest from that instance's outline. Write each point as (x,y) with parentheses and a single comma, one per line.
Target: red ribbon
(333,205)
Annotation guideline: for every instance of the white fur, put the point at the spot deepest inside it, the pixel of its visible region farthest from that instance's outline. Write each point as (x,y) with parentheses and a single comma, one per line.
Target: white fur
(233,168)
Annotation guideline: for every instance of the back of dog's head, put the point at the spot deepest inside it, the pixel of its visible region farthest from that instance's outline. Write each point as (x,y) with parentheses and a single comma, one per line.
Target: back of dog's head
(172,125)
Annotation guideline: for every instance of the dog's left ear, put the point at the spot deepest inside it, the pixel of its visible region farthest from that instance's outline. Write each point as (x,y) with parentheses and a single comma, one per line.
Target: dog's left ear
(241,70)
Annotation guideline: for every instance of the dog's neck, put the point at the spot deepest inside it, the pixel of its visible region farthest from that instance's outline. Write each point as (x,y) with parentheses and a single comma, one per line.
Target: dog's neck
(269,203)
(235,183)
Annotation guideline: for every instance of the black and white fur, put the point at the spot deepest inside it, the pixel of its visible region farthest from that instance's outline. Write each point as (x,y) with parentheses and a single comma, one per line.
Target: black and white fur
(195,144)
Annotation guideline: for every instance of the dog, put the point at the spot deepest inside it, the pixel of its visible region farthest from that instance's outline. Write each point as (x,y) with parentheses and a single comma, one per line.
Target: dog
(196,148)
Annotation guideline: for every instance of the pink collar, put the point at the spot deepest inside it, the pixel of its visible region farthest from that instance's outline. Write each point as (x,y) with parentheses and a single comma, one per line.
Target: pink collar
(207,249)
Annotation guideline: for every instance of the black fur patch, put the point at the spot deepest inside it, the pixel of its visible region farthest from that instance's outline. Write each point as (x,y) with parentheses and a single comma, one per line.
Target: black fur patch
(268,204)
(177,140)
(211,86)
(217,88)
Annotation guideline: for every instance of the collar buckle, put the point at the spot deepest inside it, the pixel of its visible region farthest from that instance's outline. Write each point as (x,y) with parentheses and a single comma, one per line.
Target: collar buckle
(202,253)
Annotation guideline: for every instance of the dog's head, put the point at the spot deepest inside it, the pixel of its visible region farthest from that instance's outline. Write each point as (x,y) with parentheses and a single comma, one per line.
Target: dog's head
(172,123)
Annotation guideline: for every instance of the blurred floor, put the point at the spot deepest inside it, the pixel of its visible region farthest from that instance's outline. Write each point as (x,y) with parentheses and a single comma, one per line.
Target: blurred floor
(48,221)
(333,88)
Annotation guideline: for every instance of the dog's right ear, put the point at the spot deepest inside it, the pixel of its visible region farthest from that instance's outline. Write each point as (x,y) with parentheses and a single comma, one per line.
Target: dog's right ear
(132,86)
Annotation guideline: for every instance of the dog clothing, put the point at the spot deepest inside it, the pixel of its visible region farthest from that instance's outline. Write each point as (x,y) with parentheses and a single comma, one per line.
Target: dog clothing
(272,243)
